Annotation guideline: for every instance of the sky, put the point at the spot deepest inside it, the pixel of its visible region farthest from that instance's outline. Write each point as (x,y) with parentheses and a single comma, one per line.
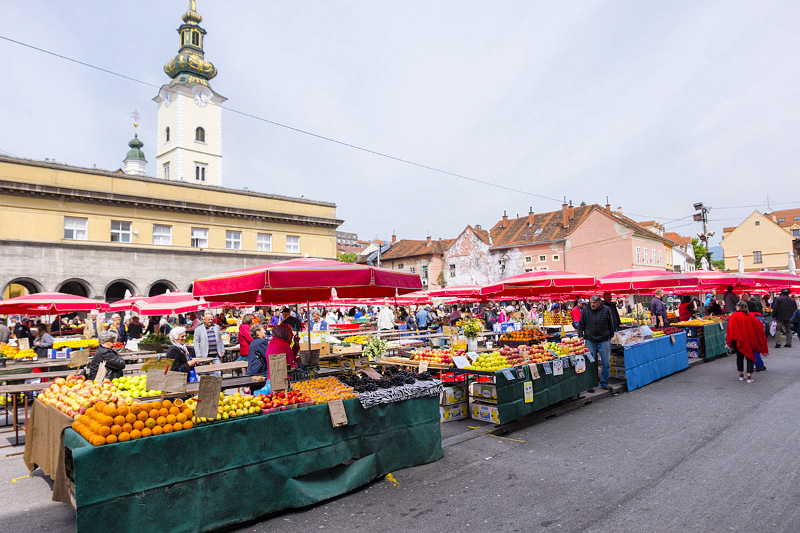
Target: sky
(655,105)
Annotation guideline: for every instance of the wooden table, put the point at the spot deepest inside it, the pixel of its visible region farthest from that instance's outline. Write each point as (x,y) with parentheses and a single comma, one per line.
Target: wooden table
(234,367)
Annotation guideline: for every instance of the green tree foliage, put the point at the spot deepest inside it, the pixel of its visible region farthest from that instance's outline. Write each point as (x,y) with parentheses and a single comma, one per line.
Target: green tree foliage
(349,257)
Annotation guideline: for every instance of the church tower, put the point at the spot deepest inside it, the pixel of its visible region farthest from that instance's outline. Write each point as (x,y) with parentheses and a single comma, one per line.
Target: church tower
(135,161)
(189,146)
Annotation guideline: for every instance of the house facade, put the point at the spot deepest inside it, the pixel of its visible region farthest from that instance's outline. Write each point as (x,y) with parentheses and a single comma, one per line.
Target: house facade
(418,257)
(762,241)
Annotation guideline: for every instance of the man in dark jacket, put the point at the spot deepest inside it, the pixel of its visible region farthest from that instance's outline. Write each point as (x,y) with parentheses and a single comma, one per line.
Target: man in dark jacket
(608,302)
(782,310)
(596,326)
(115,364)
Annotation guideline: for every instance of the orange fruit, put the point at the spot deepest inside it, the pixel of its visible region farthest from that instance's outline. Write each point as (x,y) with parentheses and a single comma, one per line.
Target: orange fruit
(130,418)
(178,402)
(158,430)
(119,420)
(108,421)
(150,423)
(161,420)
(136,434)
(124,437)
(142,415)
(126,428)
(138,425)
(166,403)
(189,413)
(136,408)
(174,410)
(168,428)
(116,430)
(171,419)
(111,439)
(180,418)
(188,424)
(99,405)
(155,405)
(104,431)
(154,413)
(76,425)
(146,432)
(177,426)
(122,410)
(97,440)
(163,411)
(109,411)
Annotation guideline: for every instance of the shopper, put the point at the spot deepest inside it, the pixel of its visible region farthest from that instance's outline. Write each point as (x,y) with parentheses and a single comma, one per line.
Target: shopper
(43,341)
(5,333)
(658,311)
(782,310)
(291,320)
(608,302)
(730,300)
(115,364)
(596,326)
(134,329)
(454,316)
(317,324)
(281,343)
(208,339)
(577,310)
(93,326)
(714,308)
(411,322)
(385,318)
(244,335)
(489,316)
(179,353)
(423,318)
(686,309)
(746,336)
(118,327)
(257,359)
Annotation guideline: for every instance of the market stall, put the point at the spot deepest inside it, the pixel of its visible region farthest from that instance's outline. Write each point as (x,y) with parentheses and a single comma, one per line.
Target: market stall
(645,361)
(706,337)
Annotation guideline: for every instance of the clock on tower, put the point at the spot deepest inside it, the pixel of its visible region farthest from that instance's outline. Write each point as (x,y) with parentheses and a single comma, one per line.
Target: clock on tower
(189,146)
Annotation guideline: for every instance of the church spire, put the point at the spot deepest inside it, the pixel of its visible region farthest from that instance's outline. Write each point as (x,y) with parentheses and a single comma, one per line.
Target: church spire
(190,66)
(135,161)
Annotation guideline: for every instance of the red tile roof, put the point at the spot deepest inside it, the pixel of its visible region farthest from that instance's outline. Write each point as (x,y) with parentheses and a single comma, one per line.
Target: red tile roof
(788,215)
(678,238)
(409,248)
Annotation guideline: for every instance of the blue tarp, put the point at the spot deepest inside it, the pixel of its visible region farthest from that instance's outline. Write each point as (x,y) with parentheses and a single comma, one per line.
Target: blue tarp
(654,359)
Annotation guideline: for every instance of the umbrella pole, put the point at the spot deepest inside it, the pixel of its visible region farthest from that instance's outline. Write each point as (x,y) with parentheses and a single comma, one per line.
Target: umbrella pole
(308,311)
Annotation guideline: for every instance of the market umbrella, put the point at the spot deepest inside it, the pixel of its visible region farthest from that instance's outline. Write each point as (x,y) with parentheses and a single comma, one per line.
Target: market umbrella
(47,303)
(306,279)
(776,280)
(540,282)
(716,278)
(125,304)
(167,304)
(456,291)
(640,279)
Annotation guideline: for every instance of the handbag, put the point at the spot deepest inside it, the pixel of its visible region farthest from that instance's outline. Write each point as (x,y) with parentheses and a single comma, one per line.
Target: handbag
(773,328)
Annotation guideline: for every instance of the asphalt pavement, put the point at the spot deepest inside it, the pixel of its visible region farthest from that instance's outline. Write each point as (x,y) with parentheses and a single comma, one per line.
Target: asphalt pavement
(697,451)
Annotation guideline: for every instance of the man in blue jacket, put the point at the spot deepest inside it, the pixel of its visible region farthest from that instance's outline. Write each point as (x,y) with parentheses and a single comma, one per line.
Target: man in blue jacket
(596,327)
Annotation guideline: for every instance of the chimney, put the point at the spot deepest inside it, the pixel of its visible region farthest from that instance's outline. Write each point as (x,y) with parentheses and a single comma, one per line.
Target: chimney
(608,206)
(565,214)
(429,240)
(394,238)
(531,218)
(478,226)
(505,220)
(571,211)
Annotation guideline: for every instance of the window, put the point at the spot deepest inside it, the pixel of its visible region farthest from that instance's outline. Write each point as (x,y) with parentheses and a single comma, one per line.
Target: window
(233,240)
(528,259)
(166,134)
(660,257)
(645,256)
(796,233)
(638,254)
(199,237)
(542,258)
(292,244)
(162,235)
(413,270)
(200,135)
(653,257)
(537,232)
(452,271)
(166,171)
(400,266)
(264,242)
(781,220)
(195,38)
(120,231)
(425,272)
(75,228)
(200,171)
(758,222)
(796,218)
(756,257)
(555,258)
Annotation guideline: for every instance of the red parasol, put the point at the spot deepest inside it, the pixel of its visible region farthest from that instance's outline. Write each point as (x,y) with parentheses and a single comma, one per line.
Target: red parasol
(776,280)
(540,282)
(456,291)
(306,279)
(167,304)
(48,303)
(638,280)
(124,305)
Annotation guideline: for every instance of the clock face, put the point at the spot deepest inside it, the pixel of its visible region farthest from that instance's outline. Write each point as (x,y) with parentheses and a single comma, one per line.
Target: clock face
(200,99)
(167,98)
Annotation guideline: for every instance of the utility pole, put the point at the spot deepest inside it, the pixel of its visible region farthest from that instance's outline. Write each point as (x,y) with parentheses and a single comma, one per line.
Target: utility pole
(702,216)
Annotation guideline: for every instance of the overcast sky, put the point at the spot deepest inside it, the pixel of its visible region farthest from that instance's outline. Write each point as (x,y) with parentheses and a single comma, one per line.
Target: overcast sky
(655,104)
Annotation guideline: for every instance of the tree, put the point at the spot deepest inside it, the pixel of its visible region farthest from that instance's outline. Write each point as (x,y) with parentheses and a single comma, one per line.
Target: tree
(440,281)
(349,257)
(700,253)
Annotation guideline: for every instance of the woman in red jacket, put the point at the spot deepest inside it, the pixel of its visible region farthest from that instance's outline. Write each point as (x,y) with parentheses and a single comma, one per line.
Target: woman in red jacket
(746,336)
(244,335)
(281,342)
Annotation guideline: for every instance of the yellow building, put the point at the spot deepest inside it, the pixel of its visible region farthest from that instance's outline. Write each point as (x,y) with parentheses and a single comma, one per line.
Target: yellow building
(763,243)
(100,233)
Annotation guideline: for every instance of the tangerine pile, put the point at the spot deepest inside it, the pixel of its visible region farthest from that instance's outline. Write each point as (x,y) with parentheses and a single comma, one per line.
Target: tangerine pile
(108,423)
(523,335)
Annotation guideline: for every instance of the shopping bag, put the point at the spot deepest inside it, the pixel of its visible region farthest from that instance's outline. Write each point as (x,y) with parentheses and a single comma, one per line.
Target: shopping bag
(773,328)
(265,390)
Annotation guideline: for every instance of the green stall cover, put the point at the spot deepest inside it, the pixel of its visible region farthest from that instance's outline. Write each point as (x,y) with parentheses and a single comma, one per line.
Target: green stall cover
(714,338)
(226,473)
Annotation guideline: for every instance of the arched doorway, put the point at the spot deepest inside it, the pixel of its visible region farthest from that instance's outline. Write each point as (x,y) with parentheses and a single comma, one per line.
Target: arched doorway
(78,287)
(190,288)
(21,287)
(160,287)
(116,290)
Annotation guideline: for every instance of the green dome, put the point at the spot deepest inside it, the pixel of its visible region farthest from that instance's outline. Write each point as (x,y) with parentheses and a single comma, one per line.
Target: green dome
(136,149)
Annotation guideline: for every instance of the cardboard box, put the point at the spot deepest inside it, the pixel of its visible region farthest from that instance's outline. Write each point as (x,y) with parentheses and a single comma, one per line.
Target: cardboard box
(457,411)
(617,372)
(63,353)
(484,412)
(453,394)
(486,391)
(617,360)
(353,363)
